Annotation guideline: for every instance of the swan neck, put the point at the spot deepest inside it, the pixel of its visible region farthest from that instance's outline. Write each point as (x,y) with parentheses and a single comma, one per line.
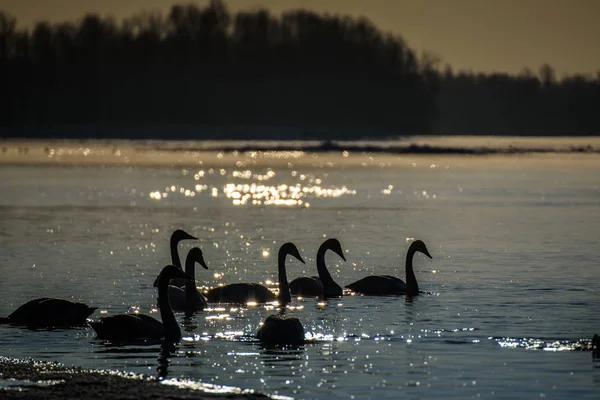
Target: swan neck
(172,331)
(324,274)
(284,289)
(190,286)
(175,253)
(412,287)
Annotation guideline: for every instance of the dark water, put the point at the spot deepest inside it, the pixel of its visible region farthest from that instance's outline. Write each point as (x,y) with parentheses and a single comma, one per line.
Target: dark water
(513,281)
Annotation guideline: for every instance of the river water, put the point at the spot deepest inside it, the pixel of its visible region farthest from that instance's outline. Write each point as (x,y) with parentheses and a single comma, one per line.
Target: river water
(512,287)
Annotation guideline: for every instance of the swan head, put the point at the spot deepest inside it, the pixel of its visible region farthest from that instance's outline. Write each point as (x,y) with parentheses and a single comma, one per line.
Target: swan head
(195,255)
(180,235)
(292,250)
(172,272)
(418,245)
(335,246)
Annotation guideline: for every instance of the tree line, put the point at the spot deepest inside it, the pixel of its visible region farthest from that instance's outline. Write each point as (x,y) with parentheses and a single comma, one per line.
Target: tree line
(205,67)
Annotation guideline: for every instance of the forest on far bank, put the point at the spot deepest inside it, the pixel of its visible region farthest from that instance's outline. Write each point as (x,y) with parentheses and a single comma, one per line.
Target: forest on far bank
(204,72)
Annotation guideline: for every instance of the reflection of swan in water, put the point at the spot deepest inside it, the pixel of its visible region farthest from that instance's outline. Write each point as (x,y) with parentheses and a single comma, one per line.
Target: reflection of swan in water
(322,285)
(278,329)
(253,292)
(47,312)
(387,284)
(163,359)
(130,327)
(189,299)
(176,237)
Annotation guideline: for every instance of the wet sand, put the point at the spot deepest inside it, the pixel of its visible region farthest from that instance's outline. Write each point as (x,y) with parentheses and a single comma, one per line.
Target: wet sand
(29,379)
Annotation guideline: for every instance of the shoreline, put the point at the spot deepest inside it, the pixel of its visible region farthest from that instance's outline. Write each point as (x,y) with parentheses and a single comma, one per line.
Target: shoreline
(30,379)
(241,154)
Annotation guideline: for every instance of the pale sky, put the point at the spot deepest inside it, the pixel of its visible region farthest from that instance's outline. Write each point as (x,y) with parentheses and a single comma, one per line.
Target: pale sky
(482,35)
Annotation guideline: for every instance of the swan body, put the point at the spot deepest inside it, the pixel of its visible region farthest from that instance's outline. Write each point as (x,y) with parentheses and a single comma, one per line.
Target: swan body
(322,285)
(279,330)
(188,298)
(48,312)
(242,293)
(177,236)
(131,327)
(389,285)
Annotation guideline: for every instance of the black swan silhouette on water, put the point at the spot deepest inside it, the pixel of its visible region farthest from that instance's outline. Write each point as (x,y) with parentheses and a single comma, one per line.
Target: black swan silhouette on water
(176,237)
(242,293)
(322,285)
(279,330)
(188,298)
(47,312)
(133,327)
(390,285)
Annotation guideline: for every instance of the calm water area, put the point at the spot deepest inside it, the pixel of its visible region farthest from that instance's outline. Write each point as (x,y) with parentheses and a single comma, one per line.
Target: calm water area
(513,288)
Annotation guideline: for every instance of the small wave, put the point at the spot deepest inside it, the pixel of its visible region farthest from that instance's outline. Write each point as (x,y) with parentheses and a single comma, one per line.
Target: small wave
(544,344)
(21,384)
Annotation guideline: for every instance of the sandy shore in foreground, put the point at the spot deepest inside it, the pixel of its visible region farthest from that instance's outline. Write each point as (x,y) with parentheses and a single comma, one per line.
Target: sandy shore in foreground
(29,379)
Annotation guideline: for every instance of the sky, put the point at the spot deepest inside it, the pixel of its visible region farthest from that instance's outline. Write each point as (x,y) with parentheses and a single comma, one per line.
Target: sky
(477,35)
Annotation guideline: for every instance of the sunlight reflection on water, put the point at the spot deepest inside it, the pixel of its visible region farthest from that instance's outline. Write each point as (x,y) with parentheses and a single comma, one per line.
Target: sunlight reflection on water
(257,193)
(509,242)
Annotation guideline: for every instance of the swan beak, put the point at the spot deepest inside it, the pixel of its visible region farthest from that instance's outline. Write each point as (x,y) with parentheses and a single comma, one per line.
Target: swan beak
(183,235)
(299,257)
(426,252)
(203,263)
(342,255)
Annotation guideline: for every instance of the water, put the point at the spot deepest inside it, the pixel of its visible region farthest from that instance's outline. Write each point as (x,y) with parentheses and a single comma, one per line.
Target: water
(513,280)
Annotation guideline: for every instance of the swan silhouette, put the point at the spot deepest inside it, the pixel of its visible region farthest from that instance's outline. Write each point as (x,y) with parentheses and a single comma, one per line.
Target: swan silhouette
(176,237)
(132,327)
(242,293)
(188,298)
(48,312)
(280,330)
(322,285)
(387,284)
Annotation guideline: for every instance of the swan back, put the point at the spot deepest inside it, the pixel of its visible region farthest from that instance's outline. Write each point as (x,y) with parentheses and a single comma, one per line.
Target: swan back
(48,312)
(281,331)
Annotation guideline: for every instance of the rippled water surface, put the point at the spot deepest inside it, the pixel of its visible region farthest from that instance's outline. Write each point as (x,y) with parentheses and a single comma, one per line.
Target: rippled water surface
(513,282)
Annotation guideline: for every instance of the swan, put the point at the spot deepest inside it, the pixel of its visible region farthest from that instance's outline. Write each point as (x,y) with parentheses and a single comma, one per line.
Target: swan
(48,312)
(596,347)
(176,237)
(189,299)
(280,330)
(323,285)
(387,284)
(253,292)
(127,327)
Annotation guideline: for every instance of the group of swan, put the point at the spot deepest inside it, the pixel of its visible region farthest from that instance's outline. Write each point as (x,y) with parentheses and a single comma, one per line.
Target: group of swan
(177,291)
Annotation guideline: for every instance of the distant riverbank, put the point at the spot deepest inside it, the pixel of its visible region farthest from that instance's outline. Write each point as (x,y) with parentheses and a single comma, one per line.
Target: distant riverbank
(402,151)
